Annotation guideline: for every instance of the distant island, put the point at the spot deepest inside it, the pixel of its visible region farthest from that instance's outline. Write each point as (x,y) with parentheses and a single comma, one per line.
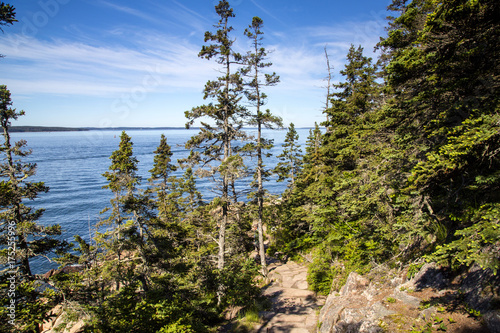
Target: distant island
(44,129)
(78,129)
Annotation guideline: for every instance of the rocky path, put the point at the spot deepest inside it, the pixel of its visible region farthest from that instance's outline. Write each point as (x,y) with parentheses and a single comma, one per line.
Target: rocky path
(294,308)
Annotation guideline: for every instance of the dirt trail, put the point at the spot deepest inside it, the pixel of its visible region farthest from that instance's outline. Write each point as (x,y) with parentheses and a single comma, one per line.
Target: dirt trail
(294,308)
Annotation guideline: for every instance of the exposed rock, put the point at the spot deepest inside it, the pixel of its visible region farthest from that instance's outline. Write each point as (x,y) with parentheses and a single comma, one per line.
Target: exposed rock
(429,276)
(492,320)
(396,281)
(481,288)
(427,313)
(41,286)
(381,305)
(352,310)
(378,310)
(368,327)
(355,284)
(66,269)
(370,292)
(61,323)
(49,274)
(232,312)
(343,327)
(407,299)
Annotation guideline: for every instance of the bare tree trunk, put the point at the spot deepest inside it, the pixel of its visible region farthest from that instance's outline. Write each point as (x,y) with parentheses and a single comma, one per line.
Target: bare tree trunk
(260,200)
(329,80)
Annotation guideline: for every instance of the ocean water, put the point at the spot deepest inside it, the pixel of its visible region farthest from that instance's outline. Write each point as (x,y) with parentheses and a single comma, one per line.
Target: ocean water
(72,163)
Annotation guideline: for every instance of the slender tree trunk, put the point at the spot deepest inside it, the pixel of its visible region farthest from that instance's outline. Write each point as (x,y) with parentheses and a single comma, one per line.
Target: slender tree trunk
(260,200)
(225,187)
(329,80)
(25,261)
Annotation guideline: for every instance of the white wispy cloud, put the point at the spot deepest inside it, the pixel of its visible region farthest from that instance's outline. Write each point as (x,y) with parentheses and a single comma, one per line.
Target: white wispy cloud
(82,67)
(166,64)
(131,11)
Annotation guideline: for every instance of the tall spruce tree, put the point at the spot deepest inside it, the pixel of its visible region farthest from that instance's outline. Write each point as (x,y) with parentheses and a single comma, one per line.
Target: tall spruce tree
(160,176)
(22,237)
(291,157)
(255,62)
(212,147)
(18,222)
(122,181)
(312,157)
(349,152)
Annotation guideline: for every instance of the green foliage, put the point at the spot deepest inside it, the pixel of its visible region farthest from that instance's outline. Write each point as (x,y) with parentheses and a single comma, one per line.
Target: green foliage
(32,304)
(413,269)
(290,159)
(474,244)
(454,179)
(213,149)
(19,229)
(128,311)
(240,288)
(176,328)
(408,168)
(320,275)
(7,16)
(122,176)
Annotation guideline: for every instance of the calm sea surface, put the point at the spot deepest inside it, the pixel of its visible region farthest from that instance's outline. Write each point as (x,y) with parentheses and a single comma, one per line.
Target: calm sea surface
(72,164)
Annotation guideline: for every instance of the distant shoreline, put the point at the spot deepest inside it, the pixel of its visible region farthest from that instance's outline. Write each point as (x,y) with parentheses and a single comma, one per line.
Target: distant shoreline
(80,129)
(20,129)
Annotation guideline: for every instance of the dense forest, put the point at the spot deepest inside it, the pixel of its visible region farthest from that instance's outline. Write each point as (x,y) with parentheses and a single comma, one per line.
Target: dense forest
(404,169)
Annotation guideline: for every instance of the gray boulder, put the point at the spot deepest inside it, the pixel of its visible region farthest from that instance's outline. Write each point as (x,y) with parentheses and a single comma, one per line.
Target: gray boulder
(492,321)
(429,276)
(352,309)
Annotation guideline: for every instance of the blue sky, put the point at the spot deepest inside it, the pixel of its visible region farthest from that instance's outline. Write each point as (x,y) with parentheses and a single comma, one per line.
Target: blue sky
(111,63)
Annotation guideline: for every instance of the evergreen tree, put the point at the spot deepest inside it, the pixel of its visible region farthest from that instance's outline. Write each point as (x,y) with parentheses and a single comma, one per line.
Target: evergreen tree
(290,159)
(7,16)
(212,147)
(255,64)
(18,221)
(122,181)
(446,104)
(352,99)
(351,198)
(339,190)
(313,158)
(21,236)
(160,175)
